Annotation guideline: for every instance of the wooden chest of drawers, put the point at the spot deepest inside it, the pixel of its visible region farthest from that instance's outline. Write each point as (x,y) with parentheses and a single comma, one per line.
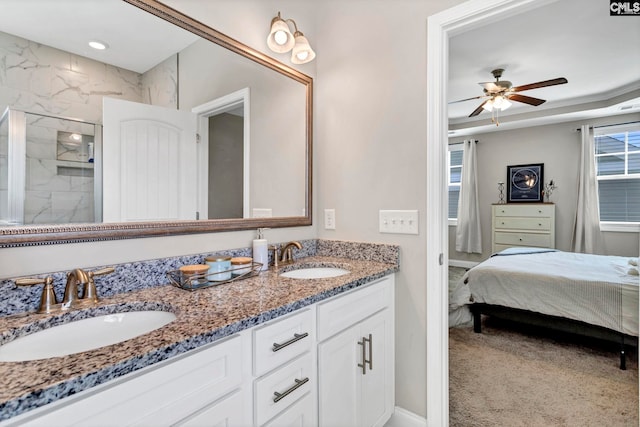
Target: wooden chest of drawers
(522,225)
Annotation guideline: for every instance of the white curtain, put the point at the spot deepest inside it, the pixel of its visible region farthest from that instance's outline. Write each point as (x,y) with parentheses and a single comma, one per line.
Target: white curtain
(468,231)
(586,230)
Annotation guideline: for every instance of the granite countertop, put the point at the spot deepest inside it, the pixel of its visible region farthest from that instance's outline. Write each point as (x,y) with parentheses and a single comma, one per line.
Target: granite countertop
(202,316)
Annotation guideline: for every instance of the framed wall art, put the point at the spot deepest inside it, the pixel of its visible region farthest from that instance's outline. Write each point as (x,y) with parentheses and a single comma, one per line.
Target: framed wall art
(524,183)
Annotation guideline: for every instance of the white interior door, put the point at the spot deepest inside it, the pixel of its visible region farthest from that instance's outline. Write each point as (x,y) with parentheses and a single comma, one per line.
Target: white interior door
(150,167)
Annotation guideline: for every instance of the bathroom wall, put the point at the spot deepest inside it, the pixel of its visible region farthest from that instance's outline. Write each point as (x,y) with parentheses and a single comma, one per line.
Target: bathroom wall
(558,147)
(372,144)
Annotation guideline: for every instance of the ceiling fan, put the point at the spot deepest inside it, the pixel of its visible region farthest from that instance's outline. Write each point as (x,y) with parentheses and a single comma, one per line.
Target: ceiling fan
(498,94)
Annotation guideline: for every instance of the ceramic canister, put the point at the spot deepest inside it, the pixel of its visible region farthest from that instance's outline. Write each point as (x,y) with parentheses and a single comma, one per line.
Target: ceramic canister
(219,267)
(241,265)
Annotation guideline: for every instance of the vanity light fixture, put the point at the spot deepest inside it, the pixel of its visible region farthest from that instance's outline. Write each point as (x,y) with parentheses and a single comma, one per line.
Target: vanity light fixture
(280,40)
(98,45)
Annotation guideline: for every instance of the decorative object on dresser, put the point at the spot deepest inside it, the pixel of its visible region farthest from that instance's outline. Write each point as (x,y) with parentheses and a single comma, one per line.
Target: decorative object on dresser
(522,225)
(501,190)
(548,190)
(524,183)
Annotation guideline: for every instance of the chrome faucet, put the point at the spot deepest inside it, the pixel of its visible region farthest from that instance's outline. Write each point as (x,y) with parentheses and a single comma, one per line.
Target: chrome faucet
(287,252)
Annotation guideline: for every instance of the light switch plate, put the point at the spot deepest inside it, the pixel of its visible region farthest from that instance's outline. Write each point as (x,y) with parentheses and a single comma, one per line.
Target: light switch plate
(329,219)
(399,222)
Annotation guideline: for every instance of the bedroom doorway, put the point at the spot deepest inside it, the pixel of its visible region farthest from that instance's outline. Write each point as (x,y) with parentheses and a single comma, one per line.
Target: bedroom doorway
(440,27)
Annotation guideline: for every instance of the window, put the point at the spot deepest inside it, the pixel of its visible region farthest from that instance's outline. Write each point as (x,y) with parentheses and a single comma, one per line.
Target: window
(617,152)
(454,174)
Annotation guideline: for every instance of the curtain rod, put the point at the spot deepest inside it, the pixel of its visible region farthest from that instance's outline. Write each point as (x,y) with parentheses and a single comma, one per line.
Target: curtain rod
(606,126)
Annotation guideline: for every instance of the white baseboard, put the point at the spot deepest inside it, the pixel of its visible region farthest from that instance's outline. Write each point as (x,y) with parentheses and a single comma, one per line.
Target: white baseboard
(464,264)
(403,418)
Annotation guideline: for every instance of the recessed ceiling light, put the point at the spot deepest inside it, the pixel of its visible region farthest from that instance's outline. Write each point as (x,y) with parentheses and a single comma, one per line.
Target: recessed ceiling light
(98,45)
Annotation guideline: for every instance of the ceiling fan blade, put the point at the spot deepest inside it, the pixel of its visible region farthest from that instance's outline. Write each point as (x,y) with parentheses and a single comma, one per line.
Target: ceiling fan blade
(552,82)
(478,110)
(526,99)
(468,99)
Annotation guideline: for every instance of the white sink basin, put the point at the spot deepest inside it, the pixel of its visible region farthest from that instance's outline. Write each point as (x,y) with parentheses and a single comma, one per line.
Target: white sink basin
(315,273)
(83,335)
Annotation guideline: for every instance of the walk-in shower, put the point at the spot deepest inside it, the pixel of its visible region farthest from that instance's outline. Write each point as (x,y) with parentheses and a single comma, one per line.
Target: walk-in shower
(50,169)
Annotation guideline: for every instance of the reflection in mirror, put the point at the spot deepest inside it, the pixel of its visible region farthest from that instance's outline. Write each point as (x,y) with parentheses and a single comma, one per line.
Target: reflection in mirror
(263,174)
(48,173)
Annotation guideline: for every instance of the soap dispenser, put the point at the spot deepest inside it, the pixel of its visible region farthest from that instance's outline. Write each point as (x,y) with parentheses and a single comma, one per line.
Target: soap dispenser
(260,250)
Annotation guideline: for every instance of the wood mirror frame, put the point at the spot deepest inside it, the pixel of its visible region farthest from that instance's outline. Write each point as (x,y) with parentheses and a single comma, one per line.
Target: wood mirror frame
(86,232)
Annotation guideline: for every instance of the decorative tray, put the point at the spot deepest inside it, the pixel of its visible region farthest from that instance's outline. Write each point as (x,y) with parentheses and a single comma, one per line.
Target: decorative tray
(191,282)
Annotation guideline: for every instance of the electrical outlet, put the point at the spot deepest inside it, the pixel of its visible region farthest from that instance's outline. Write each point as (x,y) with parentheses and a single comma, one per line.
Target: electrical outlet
(399,222)
(329,219)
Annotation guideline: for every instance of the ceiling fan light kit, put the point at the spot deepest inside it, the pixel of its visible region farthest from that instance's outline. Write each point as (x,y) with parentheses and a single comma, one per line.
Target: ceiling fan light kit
(500,93)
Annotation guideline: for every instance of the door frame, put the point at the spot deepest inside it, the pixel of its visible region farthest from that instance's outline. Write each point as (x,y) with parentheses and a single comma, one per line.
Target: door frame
(441,26)
(221,105)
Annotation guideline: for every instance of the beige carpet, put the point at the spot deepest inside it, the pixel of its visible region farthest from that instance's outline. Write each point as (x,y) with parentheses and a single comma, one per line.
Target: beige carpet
(512,377)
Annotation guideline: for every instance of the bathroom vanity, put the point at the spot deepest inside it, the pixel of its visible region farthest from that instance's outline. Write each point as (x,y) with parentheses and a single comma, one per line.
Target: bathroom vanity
(267,350)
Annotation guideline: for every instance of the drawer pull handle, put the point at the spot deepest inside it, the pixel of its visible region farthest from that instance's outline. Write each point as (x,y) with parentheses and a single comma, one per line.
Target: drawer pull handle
(296,337)
(299,383)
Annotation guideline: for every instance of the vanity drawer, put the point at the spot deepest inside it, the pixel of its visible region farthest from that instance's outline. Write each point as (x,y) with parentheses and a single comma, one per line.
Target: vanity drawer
(339,314)
(292,381)
(300,414)
(542,240)
(521,223)
(281,340)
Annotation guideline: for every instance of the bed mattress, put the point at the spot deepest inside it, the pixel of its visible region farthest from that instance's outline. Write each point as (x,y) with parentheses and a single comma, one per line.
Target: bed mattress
(595,289)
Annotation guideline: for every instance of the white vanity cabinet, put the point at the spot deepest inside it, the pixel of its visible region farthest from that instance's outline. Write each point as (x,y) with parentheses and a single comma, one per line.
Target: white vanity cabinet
(202,383)
(331,363)
(356,357)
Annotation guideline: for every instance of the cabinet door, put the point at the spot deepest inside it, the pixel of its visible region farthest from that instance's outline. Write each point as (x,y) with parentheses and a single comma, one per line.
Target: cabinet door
(339,379)
(377,388)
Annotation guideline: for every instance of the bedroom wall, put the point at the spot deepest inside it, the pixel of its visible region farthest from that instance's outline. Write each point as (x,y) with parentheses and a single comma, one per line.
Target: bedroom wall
(557,146)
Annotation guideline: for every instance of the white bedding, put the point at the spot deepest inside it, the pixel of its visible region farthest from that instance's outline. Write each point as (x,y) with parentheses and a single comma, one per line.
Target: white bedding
(594,289)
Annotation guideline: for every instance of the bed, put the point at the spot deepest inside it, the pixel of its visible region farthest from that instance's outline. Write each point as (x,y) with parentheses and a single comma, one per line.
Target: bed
(589,294)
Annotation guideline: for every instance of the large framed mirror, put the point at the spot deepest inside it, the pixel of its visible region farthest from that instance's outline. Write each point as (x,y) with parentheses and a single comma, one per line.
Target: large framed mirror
(75,167)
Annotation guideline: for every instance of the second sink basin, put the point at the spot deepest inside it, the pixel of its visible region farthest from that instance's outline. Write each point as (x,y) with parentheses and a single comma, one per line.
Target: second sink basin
(315,273)
(83,335)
